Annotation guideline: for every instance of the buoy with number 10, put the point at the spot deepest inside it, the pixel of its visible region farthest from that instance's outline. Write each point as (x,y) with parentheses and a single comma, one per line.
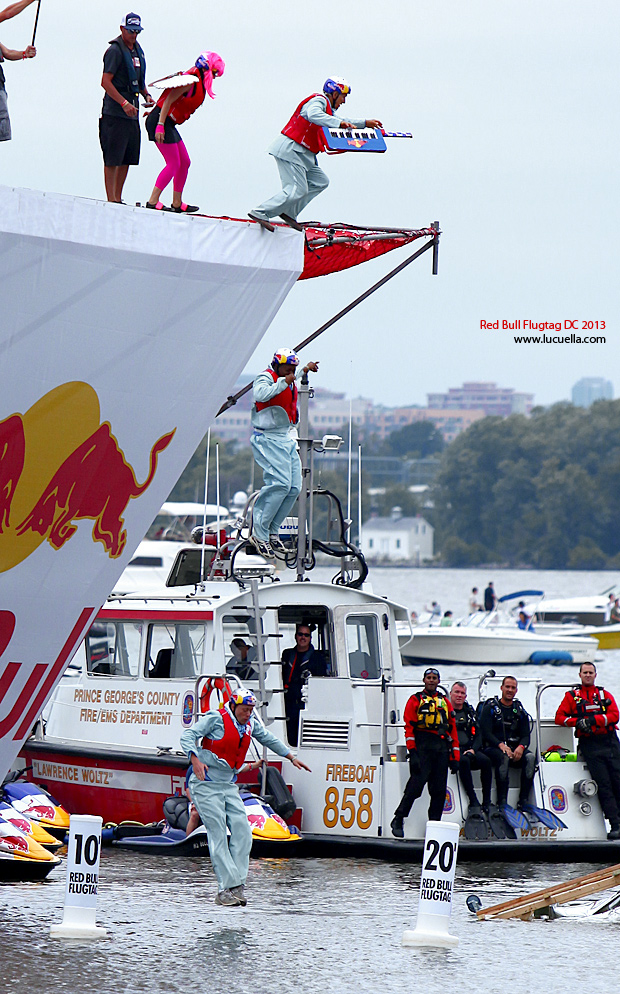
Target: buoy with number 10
(436,886)
(78,920)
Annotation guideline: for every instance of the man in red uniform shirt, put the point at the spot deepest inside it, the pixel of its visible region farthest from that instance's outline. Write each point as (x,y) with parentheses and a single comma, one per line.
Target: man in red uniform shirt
(593,713)
(433,744)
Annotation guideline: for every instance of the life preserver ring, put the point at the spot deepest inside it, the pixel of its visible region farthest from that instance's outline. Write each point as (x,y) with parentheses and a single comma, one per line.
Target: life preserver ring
(221,686)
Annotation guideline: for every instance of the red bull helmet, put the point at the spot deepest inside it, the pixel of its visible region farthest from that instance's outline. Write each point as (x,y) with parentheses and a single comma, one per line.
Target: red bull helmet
(284,357)
(243,697)
(336,84)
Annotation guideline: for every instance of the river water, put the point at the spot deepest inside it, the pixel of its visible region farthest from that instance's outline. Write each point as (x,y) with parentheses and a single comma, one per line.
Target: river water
(314,926)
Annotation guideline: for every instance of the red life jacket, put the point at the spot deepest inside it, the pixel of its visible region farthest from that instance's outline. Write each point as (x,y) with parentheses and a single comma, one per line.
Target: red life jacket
(186,104)
(304,132)
(286,399)
(231,747)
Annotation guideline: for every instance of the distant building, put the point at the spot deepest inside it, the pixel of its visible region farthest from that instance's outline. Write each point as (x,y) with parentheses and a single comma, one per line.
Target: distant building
(398,539)
(487,397)
(383,421)
(591,388)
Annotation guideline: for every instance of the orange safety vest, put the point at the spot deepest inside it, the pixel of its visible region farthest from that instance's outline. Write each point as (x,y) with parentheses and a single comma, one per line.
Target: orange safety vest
(304,132)
(231,747)
(186,104)
(286,399)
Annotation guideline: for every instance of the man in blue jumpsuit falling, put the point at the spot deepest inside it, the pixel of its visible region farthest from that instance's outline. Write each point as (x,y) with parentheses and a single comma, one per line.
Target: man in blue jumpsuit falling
(295,151)
(216,745)
(274,444)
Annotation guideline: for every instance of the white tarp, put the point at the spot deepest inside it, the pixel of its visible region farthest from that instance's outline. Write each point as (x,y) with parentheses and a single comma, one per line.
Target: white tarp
(121,333)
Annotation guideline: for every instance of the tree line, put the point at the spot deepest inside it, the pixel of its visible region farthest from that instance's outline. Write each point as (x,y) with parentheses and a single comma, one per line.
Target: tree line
(539,491)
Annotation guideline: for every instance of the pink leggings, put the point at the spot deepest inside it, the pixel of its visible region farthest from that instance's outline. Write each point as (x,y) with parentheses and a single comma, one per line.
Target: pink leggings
(177,165)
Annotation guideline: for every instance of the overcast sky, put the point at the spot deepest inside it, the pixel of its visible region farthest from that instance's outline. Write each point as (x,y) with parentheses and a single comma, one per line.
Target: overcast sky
(514,108)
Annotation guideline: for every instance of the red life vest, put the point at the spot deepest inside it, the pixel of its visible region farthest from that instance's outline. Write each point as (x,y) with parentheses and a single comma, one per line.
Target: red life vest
(186,104)
(231,747)
(286,399)
(304,132)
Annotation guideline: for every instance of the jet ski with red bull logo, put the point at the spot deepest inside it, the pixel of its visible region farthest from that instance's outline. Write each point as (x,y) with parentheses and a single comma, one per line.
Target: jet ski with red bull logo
(31,828)
(269,831)
(21,857)
(38,806)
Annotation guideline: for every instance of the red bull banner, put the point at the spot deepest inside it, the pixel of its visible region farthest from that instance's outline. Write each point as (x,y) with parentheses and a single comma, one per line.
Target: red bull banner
(120,338)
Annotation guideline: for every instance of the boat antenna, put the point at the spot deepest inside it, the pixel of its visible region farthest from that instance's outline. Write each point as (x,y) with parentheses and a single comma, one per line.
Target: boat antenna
(348,531)
(359,496)
(217,491)
(204,513)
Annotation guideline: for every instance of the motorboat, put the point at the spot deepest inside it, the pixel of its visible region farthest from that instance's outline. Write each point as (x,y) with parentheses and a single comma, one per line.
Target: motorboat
(108,742)
(494,639)
(591,610)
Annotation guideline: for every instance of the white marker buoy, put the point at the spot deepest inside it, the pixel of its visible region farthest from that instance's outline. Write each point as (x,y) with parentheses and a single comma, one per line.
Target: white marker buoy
(436,885)
(78,920)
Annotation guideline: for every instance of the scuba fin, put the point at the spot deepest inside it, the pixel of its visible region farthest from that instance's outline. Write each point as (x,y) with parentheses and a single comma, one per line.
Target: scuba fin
(548,818)
(496,822)
(476,828)
(515,818)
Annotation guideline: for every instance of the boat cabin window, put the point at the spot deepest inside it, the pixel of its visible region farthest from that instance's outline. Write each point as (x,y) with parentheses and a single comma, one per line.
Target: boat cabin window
(113,648)
(363,647)
(240,646)
(174,651)
(316,620)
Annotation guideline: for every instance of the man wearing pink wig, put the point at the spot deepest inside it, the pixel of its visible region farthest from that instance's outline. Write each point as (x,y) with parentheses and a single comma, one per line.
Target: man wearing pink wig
(296,148)
(174,107)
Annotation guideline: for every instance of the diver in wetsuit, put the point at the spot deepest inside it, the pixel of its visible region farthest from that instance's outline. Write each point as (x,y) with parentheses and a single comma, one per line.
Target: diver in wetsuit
(505,729)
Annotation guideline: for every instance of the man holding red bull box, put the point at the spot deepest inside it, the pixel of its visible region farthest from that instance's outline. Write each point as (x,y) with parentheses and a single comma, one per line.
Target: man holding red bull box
(216,746)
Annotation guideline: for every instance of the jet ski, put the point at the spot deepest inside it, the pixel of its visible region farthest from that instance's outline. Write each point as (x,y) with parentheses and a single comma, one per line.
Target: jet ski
(36,804)
(21,857)
(270,833)
(28,827)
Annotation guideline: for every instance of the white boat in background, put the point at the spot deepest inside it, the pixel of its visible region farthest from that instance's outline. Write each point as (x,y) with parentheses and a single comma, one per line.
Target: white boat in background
(494,639)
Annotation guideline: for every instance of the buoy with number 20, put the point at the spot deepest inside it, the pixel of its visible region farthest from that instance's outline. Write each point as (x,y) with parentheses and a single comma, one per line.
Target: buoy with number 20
(436,886)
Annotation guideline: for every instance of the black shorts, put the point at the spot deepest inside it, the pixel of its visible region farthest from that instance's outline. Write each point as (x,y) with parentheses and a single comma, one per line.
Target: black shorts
(171,135)
(120,140)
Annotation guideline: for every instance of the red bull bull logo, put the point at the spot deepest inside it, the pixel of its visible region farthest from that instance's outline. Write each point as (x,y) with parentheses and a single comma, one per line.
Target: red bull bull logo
(15,843)
(58,465)
(40,811)
(257,821)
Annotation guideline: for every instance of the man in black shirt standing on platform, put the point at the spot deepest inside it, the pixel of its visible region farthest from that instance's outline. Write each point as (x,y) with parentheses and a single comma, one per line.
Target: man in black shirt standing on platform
(124,75)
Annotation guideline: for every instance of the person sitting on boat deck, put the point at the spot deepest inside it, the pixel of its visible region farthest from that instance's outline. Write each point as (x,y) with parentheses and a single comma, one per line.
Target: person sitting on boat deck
(295,151)
(474,603)
(446,621)
(525,622)
(470,744)
(174,107)
(11,55)
(243,655)
(505,728)
(216,746)
(433,743)
(593,713)
(123,79)
(614,616)
(274,445)
(298,663)
(490,597)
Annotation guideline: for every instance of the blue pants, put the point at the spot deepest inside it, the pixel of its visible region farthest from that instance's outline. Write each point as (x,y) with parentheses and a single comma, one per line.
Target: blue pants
(219,805)
(279,460)
(300,184)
